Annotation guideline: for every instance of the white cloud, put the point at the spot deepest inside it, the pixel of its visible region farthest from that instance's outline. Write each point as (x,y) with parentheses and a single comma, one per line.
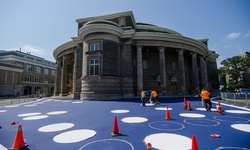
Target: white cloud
(233,35)
(30,48)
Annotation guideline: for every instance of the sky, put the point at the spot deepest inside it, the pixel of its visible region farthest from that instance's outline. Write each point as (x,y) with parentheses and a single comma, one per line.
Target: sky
(40,26)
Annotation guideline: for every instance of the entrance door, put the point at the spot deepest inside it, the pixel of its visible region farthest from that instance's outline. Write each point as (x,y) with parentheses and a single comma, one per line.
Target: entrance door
(173,87)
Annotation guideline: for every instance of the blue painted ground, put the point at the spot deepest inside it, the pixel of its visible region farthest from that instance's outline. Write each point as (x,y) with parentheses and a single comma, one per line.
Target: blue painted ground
(97,116)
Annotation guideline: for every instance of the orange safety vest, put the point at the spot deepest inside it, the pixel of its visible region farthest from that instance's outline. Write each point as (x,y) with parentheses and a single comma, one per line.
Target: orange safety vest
(154,94)
(205,94)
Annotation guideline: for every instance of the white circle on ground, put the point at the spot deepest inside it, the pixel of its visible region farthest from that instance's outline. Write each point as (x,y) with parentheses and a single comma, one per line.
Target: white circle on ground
(192,115)
(163,108)
(3,110)
(120,111)
(36,117)
(219,148)
(231,119)
(166,125)
(134,120)
(241,127)
(29,114)
(238,111)
(204,109)
(74,136)
(10,106)
(175,141)
(56,127)
(30,105)
(57,112)
(108,144)
(149,104)
(77,102)
(66,101)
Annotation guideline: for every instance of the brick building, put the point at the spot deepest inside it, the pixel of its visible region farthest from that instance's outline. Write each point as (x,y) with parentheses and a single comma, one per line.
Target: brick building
(25,74)
(113,56)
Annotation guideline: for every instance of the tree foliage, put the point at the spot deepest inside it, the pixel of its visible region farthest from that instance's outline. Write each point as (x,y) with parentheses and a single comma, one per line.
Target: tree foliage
(233,68)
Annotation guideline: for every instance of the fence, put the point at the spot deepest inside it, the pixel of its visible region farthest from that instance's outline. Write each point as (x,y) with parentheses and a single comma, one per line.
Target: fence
(18,100)
(236,98)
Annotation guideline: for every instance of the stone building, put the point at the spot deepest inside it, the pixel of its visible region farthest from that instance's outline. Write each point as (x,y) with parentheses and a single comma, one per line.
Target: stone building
(113,57)
(25,74)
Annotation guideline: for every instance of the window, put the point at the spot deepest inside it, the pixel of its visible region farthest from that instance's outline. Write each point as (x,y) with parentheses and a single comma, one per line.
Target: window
(46,71)
(29,68)
(38,69)
(94,47)
(28,78)
(45,80)
(19,63)
(145,64)
(94,67)
(30,58)
(38,79)
(53,72)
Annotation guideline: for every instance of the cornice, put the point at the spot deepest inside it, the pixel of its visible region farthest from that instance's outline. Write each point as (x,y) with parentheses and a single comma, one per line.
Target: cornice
(63,47)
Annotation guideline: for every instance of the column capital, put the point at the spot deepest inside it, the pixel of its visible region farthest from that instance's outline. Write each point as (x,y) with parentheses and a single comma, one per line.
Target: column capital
(180,50)
(193,53)
(161,47)
(139,46)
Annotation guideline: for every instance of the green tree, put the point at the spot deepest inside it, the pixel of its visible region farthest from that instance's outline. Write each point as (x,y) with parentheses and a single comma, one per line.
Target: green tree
(233,69)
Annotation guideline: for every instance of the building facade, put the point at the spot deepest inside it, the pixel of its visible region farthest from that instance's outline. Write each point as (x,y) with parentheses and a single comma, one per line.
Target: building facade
(25,74)
(113,57)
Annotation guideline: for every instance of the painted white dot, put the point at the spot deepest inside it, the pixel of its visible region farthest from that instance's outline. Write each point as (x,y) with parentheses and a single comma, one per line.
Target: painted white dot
(120,111)
(12,106)
(134,120)
(3,111)
(66,101)
(56,112)
(56,127)
(74,136)
(238,111)
(192,115)
(163,108)
(241,127)
(30,105)
(204,109)
(36,117)
(77,102)
(158,141)
(149,104)
(28,114)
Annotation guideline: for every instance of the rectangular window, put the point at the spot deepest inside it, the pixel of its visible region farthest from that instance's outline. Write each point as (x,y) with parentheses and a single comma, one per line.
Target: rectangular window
(94,47)
(94,67)
(38,79)
(53,72)
(45,80)
(38,70)
(46,71)
(19,63)
(145,64)
(29,68)
(28,78)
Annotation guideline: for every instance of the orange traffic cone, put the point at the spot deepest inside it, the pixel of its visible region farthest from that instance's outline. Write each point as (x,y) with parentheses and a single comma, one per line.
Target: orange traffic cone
(19,140)
(185,103)
(219,110)
(189,106)
(194,143)
(167,116)
(149,146)
(115,128)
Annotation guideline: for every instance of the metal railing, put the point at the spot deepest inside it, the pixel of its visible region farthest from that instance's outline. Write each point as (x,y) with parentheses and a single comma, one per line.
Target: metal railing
(18,100)
(236,98)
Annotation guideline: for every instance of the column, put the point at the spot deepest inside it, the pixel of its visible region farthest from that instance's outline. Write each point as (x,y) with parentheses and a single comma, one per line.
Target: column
(74,72)
(203,67)
(84,60)
(58,77)
(64,75)
(182,71)
(139,70)
(195,73)
(162,67)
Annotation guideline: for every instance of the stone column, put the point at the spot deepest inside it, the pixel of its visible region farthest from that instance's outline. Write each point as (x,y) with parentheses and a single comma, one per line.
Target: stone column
(64,76)
(58,77)
(203,67)
(182,71)
(162,68)
(195,73)
(84,60)
(139,70)
(74,72)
